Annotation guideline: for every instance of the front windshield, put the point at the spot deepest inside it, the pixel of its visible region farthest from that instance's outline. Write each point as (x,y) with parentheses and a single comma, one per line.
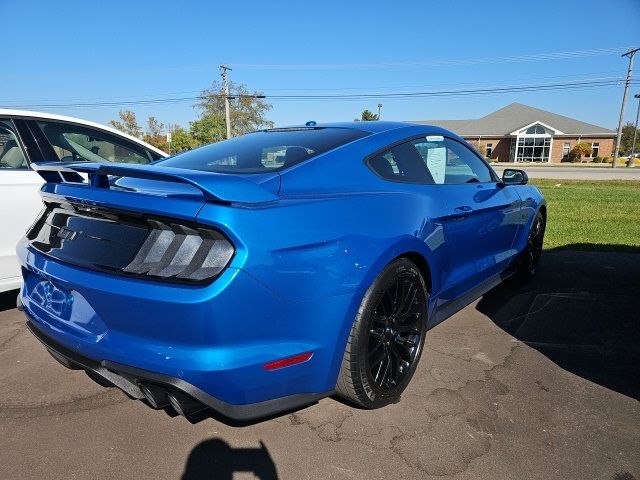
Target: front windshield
(264,151)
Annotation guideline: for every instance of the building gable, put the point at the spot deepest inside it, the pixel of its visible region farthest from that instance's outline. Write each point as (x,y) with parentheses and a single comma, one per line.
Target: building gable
(514,117)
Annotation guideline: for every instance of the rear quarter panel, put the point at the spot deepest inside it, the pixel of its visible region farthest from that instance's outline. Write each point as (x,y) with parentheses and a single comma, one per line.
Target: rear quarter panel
(304,249)
(320,255)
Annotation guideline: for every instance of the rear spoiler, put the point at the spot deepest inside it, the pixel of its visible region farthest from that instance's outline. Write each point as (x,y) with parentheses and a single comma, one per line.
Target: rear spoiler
(216,187)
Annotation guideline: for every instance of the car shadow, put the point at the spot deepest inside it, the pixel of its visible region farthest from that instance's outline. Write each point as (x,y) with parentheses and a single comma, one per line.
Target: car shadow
(8,300)
(215,459)
(581,310)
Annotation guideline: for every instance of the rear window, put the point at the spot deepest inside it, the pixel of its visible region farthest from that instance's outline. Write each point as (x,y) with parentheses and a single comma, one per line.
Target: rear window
(264,151)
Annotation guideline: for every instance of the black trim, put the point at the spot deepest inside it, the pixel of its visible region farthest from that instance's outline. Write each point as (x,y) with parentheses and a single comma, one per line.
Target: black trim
(46,149)
(122,217)
(453,306)
(127,379)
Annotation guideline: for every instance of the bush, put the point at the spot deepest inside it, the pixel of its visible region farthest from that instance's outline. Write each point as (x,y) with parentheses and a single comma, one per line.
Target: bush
(580,150)
(607,160)
(481,149)
(597,159)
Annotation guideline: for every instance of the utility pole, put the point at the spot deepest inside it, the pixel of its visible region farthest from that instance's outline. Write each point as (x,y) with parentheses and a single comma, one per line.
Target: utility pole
(635,130)
(379,109)
(225,83)
(616,152)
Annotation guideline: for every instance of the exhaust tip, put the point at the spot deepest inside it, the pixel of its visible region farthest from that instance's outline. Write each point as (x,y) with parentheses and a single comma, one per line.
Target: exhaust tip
(183,404)
(156,396)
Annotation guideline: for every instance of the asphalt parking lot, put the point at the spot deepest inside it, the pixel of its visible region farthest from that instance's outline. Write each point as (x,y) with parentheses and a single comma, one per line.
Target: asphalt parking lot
(533,382)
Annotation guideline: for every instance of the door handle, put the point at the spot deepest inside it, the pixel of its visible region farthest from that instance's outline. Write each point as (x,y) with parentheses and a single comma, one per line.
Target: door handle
(460,213)
(463,209)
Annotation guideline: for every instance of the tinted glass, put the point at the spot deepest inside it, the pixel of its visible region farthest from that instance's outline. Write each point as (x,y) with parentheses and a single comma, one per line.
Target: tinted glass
(464,166)
(402,163)
(11,154)
(76,143)
(264,151)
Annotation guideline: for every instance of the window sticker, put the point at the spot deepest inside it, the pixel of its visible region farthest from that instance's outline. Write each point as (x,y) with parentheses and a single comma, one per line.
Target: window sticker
(435,138)
(437,163)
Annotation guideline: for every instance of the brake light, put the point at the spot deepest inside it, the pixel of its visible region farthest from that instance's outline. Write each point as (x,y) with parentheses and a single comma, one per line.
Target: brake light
(173,251)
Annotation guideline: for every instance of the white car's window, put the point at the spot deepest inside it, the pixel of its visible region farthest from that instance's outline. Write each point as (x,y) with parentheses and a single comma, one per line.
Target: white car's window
(75,143)
(11,154)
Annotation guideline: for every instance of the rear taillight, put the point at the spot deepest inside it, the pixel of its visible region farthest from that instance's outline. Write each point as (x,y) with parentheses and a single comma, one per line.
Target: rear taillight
(178,252)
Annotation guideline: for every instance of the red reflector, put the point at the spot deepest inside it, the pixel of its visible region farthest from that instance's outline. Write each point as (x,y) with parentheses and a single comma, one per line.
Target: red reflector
(287,362)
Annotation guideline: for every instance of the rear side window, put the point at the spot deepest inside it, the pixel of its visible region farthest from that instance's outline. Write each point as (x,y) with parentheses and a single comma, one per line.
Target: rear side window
(264,151)
(402,163)
(76,143)
(431,160)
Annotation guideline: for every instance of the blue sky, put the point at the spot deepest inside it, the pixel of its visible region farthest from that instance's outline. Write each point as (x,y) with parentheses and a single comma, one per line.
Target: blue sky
(82,51)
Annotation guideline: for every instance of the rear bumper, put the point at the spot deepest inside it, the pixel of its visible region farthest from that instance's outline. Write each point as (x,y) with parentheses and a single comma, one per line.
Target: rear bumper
(215,338)
(128,379)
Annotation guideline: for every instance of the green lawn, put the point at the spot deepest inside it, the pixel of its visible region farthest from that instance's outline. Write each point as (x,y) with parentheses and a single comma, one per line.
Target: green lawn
(592,215)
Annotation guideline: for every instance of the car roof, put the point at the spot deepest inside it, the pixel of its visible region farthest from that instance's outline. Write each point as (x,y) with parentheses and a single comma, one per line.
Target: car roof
(365,126)
(379,126)
(5,112)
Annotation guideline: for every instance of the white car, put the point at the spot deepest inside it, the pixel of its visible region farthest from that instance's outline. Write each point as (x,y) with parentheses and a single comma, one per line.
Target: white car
(32,137)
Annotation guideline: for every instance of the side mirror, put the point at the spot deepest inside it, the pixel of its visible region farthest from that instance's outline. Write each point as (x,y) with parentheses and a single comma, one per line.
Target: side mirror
(511,176)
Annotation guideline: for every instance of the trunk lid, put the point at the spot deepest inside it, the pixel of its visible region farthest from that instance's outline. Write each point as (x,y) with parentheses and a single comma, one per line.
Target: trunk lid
(102,216)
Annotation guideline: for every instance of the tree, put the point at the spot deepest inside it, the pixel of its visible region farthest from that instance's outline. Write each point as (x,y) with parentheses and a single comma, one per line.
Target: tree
(154,127)
(367,116)
(247,112)
(626,141)
(209,128)
(127,123)
(181,140)
(578,151)
(155,134)
(482,150)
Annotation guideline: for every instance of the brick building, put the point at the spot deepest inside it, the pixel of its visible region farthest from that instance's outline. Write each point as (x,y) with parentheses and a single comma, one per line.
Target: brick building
(519,133)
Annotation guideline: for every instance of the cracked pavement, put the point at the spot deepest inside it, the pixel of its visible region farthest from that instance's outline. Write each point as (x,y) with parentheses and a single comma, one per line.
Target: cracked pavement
(536,381)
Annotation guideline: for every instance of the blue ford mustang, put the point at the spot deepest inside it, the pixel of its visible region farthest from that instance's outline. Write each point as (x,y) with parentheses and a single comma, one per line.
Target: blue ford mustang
(262,273)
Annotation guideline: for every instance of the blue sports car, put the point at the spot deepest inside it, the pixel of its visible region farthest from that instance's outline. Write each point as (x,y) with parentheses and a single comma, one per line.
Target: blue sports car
(259,274)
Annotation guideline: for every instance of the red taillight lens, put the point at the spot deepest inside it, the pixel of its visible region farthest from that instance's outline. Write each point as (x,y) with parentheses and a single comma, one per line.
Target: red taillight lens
(289,361)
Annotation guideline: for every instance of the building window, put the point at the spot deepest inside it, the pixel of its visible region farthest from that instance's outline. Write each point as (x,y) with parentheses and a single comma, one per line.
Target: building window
(533,149)
(533,145)
(489,150)
(535,130)
(595,149)
(566,148)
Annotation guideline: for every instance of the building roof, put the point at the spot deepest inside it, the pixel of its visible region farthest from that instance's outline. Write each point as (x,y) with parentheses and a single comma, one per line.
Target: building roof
(515,116)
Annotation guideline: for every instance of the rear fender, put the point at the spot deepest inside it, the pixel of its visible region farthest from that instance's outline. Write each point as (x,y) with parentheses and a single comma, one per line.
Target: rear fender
(404,246)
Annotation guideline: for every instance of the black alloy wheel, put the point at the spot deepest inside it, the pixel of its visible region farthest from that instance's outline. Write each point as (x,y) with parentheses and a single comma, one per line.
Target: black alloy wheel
(394,338)
(386,338)
(533,251)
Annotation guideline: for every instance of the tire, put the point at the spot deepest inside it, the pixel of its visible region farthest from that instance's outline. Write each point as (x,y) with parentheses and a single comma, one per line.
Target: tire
(531,256)
(387,337)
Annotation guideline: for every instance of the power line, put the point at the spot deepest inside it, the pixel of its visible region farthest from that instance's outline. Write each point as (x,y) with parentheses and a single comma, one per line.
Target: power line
(437,63)
(577,85)
(441,93)
(181,69)
(577,76)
